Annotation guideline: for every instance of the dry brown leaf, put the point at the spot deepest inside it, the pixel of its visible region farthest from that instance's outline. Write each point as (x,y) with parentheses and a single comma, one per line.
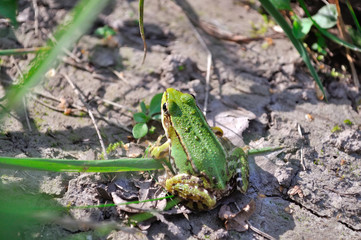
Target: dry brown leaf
(343,162)
(296,190)
(237,221)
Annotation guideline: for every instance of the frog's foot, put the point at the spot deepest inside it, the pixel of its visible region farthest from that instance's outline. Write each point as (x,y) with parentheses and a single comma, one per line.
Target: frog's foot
(160,151)
(193,189)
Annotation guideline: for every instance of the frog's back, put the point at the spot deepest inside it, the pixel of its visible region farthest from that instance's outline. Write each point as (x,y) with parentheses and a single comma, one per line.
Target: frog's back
(204,154)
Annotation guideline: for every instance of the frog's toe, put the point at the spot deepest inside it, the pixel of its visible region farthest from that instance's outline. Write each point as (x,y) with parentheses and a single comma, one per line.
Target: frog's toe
(242,185)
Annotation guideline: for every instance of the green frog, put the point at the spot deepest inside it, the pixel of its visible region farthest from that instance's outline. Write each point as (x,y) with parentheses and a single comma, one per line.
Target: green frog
(206,166)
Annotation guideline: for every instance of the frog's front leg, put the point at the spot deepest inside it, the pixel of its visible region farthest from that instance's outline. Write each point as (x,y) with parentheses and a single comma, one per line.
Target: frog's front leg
(192,188)
(160,151)
(242,169)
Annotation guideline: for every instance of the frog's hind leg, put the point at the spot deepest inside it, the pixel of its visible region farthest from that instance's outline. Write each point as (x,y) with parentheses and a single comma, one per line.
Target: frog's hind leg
(242,170)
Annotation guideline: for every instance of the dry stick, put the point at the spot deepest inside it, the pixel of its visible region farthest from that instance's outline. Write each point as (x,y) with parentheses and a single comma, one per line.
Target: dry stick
(192,21)
(341,28)
(256,230)
(214,31)
(26,115)
(57,100)
(302,157)
(24,101)
(36,16)
(67,52)
(81,97)
(114,104)
(98,116)
(47,105)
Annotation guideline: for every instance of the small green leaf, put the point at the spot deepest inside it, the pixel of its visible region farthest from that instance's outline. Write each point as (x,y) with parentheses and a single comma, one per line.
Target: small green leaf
(157,116)
(143,107)
(301,27)
(105,32)
(347,122)
(336,128)
(155,103)
(152,129)
(140,117)
(326,17)
(8,10)
(282,4)
(140,130)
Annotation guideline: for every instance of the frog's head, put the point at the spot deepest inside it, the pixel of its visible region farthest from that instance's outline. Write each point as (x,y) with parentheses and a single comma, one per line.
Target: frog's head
(174,105)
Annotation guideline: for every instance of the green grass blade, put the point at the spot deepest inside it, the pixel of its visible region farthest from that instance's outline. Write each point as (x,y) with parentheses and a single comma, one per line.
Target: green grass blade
(263,150)
(298,45)
(78,22)
(22,213)
(141,27)
(119,204)
(326,33)
(19,51)
(73,165)
(140,217)
(353,16)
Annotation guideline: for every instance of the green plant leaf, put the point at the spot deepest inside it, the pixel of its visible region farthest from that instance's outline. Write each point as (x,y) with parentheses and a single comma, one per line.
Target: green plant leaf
(140,130)
(73,165)
(155,103)
(354,17)
(105,31)
(326,17)
(282,4)
(8,10)
(326,33)
(78,22)
(143,107)
(141,27)
(152,129)
(140,117)
(301,27)
(298,45)
(348,122)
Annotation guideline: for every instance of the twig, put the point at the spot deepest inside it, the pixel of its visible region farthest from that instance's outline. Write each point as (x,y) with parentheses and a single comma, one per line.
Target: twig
(36,16)
(214,31)
(23,98)
(9,112)
(114,104)
(67,52)
(57,100)
(26,114)
(204,45)
(47,105)
(77,65)
(98,116)
(82,99)
(256,230)
(119,75)
(302,157)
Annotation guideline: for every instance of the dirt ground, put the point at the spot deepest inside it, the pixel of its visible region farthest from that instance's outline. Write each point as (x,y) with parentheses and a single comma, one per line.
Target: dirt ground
(260,96)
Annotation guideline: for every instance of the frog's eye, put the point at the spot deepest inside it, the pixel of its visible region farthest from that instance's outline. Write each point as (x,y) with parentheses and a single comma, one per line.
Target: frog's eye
(164,107)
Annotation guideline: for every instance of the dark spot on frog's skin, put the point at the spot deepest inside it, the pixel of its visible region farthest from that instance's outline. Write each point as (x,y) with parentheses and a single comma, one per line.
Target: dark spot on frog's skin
(165,109)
